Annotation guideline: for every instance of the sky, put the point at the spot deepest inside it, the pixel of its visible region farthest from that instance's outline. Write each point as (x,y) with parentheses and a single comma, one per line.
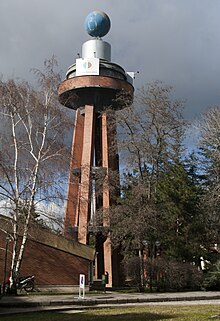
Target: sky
(174,41)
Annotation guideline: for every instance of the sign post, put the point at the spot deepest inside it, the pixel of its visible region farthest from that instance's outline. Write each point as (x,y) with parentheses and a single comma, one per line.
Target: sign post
(82,286)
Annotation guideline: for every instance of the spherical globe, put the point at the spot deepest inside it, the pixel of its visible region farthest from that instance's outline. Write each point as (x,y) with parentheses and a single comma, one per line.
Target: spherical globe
(97,24)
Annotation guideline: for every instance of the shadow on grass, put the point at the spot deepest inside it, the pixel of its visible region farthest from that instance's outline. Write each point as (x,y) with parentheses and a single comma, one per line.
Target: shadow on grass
(125,317)
(86,316)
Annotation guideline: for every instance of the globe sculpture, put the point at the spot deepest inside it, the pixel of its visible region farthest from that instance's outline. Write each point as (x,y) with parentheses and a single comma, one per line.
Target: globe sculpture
(97,24)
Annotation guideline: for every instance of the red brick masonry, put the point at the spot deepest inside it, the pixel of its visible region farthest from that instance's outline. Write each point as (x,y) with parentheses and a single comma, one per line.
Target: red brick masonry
(54,261)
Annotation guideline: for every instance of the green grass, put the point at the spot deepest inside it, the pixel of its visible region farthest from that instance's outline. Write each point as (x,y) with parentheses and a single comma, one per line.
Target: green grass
(138,313)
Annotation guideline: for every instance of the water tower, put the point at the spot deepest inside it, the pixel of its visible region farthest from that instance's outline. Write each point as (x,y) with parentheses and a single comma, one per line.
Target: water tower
(91,86)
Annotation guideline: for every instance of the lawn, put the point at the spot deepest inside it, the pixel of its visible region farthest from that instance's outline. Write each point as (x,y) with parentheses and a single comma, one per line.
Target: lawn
(138,313)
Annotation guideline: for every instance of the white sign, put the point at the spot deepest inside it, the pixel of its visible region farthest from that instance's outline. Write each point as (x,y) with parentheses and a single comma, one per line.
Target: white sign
(87,66)
(82,281)
(82,284)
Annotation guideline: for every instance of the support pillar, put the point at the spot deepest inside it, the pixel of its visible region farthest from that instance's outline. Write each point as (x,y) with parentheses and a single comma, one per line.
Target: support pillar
(72,205)
(86,164)
(106,199)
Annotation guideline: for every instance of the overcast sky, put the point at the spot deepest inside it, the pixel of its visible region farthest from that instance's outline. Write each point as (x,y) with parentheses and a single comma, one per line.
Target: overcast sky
(176,41)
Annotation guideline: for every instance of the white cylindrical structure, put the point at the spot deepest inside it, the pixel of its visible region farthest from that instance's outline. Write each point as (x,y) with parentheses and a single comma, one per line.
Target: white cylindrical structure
(96,48)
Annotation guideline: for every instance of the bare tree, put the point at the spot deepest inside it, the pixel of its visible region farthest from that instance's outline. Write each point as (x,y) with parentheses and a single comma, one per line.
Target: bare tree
(150,139)
(152,130)
(32,152)
(210,150)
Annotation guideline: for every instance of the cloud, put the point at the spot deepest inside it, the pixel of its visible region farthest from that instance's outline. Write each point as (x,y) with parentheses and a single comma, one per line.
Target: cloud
(174,41)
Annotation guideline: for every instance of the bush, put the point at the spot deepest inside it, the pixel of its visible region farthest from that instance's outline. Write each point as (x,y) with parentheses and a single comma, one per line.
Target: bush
(179,275)
(163,274)
(131,267)
(212,278)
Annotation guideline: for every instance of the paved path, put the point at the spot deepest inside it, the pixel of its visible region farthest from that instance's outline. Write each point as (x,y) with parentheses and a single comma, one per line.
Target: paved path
(28,303)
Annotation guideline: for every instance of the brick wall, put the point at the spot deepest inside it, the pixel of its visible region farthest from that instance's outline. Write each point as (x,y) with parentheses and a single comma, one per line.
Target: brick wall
(50,265)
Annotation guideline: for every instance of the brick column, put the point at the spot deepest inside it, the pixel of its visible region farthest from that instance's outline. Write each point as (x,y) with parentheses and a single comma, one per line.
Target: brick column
(72,204)
(87,159)
(106,200)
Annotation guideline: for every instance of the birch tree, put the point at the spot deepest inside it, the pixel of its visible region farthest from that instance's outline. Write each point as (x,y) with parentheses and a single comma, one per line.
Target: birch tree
(33,153)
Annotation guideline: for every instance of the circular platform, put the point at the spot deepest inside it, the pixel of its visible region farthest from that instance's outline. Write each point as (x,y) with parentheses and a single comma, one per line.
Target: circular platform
(99,91)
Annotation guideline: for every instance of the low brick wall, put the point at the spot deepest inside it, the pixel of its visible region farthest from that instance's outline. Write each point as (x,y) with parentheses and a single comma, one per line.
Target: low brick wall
(52,259)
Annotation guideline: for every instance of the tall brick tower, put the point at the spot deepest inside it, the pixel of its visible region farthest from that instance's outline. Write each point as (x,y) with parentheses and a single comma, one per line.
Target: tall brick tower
(91,86)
